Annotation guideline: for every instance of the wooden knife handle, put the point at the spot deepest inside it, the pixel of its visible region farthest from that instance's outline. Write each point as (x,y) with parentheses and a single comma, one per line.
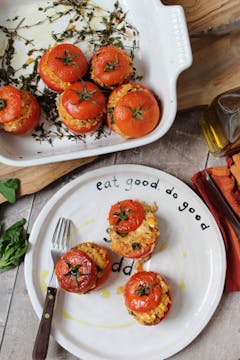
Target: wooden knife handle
(42,339)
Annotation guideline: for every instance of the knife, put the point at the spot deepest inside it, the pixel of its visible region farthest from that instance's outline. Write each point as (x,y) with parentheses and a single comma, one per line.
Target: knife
(223,204)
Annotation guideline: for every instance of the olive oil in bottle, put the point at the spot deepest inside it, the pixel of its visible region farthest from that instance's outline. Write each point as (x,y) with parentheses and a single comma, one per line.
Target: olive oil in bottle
(220,124)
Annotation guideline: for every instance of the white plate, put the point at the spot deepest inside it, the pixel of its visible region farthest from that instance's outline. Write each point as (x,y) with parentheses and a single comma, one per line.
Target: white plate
(190,255)
(163,53)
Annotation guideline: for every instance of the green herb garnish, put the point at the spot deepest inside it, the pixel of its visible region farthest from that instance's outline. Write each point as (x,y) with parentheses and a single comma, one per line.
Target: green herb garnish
(8,188)
(122,234)
(136,246)
(3,104)
(13,246)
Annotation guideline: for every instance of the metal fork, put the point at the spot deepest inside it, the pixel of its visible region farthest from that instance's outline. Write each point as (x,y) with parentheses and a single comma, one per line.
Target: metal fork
(59,245)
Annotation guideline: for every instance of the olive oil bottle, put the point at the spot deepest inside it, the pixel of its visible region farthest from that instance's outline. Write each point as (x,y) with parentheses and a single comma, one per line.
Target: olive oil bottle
(220,124)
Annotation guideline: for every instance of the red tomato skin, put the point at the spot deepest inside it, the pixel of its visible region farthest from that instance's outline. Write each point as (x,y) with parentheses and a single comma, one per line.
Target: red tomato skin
(47,80)
(30,123)
(13,100)
(143,303)
(119,115)
(135,216)
(109,54)
(67,73)
(123,115)
(86,109)
(85,282)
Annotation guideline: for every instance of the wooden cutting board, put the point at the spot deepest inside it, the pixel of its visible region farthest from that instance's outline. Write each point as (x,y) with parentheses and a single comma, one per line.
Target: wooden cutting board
(33,179)
(216,68)
(216,60)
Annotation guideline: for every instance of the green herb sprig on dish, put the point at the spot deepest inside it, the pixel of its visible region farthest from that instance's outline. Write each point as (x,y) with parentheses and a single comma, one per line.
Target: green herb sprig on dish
(13,245)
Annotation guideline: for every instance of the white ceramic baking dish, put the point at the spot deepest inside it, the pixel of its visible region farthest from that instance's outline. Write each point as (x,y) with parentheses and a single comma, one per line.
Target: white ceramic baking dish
(163,53)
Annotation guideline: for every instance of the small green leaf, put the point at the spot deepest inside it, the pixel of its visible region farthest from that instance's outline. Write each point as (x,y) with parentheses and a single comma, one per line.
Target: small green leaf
(13,245)
(8,189)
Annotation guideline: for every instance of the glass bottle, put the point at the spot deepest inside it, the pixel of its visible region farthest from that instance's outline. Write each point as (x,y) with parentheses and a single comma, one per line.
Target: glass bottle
(220,123)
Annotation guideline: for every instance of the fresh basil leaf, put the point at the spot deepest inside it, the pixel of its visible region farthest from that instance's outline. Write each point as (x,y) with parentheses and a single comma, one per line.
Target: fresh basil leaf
(13,245)
(8,188)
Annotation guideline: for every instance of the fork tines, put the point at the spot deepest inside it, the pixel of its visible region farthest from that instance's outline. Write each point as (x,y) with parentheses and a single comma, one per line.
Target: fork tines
(61,234)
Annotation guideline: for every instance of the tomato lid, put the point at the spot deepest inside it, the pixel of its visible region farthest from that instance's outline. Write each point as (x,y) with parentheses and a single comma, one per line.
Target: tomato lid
(143,291)
(83,100)
(68,62)
(126,215)
(136,113)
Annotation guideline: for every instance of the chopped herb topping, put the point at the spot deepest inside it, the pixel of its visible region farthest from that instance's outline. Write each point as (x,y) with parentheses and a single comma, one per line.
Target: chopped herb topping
(3,104)
(136,246)
(122,234)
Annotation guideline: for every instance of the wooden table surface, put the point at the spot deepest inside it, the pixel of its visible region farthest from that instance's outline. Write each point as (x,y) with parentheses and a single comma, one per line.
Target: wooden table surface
(181,152)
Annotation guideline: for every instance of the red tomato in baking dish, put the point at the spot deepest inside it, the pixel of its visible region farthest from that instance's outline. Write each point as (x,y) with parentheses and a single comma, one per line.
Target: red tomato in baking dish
(61,65)
(83,100)
(76,272)
(111,65)
(143,292)
(19,111)
(126,215)
(10,103)
(136,114)
(30,122)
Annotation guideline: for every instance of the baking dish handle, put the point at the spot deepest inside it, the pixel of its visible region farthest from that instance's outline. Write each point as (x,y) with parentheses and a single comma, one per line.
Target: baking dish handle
(179,49)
